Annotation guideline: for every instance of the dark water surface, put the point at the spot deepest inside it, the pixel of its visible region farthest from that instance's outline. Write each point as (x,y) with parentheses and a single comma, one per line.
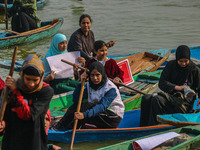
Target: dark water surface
(138,25)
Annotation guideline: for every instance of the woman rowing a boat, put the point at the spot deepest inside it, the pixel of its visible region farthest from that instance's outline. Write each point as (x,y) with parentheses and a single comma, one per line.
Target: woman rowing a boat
(83,39)
(179,81)
(23,123)
(24,15)
(112,69)
(59,46)
(104,107)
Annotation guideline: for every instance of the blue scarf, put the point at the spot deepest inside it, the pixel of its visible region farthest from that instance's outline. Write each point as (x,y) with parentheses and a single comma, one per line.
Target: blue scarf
(53,50)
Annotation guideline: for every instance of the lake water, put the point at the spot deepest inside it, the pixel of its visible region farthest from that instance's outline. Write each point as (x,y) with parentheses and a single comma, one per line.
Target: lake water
(137,25)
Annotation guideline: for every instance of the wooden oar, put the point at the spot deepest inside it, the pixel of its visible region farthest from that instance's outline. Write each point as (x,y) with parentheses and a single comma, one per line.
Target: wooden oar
(121,84)
(6,16)
(6,90)
(77,110)
(72,64)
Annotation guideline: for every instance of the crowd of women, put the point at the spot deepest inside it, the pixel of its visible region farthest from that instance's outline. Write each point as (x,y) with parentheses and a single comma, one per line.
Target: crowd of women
(26,120)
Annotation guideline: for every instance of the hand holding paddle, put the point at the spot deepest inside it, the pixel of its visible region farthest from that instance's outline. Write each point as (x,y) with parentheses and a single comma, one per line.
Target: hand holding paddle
(77,112)
(111,43)
(6,90)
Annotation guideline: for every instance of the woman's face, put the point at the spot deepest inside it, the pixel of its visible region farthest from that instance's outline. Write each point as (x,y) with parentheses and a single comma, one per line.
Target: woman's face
(31,81)
(101,53)
(46,122)
(183,62)
(85,25)
(95,76)
(62,46)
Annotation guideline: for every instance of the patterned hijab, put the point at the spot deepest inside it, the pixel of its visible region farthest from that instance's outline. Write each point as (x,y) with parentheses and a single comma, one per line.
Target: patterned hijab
(53,50)
(32,61)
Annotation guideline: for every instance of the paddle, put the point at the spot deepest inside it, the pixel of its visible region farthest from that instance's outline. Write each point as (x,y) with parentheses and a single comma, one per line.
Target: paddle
(4,95)
(5,1)
(77,110)
(121,84)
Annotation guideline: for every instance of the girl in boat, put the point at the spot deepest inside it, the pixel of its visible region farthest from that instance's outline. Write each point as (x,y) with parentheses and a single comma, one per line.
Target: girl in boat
(178,77)
(24,15)
(47,121)
(112,69)
(23,123)
(83,39)
(104,107)
(59,46)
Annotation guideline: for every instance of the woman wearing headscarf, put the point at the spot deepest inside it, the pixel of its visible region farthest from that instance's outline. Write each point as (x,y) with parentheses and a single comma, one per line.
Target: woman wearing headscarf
(104,107)
(59,46)
(24,15)
(47,121)
(177,77)
(23,122)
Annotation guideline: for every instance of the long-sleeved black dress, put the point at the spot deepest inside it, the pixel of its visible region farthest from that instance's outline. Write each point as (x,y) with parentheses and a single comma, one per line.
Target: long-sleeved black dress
(24,117)
(171,76)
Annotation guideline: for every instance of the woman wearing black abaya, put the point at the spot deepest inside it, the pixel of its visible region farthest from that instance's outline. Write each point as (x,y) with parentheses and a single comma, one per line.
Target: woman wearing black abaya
(177,75)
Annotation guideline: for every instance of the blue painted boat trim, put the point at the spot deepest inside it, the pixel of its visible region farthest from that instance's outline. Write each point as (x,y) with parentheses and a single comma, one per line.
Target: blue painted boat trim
(128,129)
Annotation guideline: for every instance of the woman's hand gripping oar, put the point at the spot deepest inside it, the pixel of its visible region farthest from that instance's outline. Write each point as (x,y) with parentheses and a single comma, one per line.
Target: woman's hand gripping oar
(78,110)
(4,95)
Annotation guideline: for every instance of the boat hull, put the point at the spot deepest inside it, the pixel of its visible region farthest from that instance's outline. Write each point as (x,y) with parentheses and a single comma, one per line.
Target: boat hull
(29,37)
(127,129)
(192,131)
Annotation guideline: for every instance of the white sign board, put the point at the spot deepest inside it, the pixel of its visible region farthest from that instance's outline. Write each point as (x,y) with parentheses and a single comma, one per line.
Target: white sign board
(62,69)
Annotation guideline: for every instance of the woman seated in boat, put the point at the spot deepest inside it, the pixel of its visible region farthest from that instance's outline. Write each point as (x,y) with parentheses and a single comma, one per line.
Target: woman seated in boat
(112,69)
(59,46)
(83,39)
(178,77)
(29,98)
(104,107)
(47,122)
(24,15)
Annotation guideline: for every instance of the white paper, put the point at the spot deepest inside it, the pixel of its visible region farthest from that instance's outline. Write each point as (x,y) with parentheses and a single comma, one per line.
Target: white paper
(151,142)
(62,69)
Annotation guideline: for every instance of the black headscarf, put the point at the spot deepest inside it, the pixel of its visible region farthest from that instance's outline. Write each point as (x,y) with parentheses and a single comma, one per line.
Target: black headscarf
(183,51)
(100,68)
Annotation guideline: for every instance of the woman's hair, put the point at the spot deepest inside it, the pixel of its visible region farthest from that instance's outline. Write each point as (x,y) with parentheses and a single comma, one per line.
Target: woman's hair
(84,16)
(98,45)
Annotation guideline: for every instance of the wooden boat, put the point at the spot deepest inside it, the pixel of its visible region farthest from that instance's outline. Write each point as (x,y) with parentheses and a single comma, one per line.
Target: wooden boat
(190,136)
(180,119)
(128,128)
(146,83)
(146,61)
(47,29)
(139,62)
(40,4)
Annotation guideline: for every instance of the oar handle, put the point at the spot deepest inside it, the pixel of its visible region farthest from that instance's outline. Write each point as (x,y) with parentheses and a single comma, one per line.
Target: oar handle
(5,93)
(77,110)
(72,64)
(121,84)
